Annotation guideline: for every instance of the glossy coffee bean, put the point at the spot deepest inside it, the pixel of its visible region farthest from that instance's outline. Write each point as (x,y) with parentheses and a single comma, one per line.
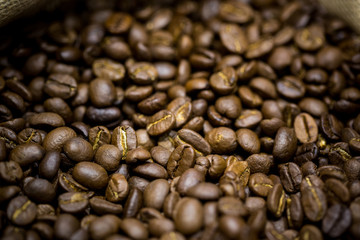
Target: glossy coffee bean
(90,175)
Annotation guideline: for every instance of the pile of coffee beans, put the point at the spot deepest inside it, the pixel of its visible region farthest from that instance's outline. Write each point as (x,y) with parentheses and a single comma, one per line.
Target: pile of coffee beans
(180,120)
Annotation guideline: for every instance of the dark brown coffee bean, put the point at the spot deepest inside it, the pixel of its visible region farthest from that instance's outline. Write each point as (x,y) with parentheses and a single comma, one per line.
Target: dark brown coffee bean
(8,192)
(65,226)
(285,144)
(26,154)
(248,141)
(90,175)
(259,48)
(291,176)
(330,126)
(248,118)
(336,221)
(181,108)
(204,191)
(294,211)
(143,73)
(138,93)
(134,228)
(56,139)
(133,203)
(108,69)
(305,128)
(151,171)
(49,165)
(291,87)
(237,12)
(260,184)
(329,58)
(310,38)
(260,163)
(188,179)
(230,106)
(21,211)
(73,202)
(13,101)
(231,206)
(39,190)
(29,135)
(161,122)
(310,232)
(337,190)
(188,215)
(155,193)
(118,22)
(69,184)
(195,140)
(101,206)
(102,92)
(233,38)
(264,87)
(181,159)
(104,226)
(313,200)
(224,82)
(248,97)
(276,200)
(60,85)
(216,119)
(78,149)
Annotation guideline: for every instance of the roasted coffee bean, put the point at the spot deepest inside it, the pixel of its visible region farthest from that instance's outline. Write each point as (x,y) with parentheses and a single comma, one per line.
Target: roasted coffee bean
(65,226)
(73,202)
(60,85)
(259,48)
(189,179)
(285,144)
(329,58)
(104,226)
(143,73)
(155,193)
(260,163)
(181,159)
(330,126)
(133,203)
(151,171)
(310,232)
(102,92)
(230,106)
(233,38)
(276,200)
(101,206)
(248,119)
(181,108)
(78,149)
(56,139)
(21,211)
(108,156)
(108,69)
(99,136)
(188,215)
(49,165)
(294,211)
(39,190)
(10,172)
(134,228)
(26,154)
(195,140)
(291,176)
(69,184)
(313,200)
(222,140)
(160,123)
(90,175)
(224,82)
(336,221)
(260,184)
(248,141)
(305,128)
(204,191)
